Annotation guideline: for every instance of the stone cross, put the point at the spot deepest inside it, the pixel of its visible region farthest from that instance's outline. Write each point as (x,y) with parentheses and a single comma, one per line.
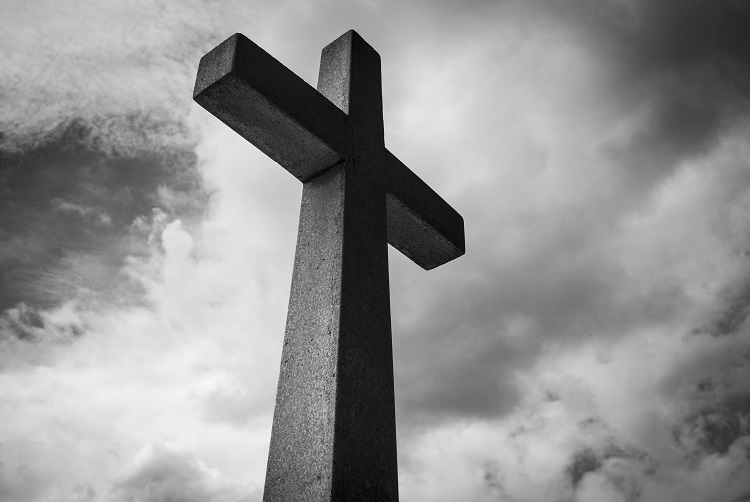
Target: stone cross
(334,426)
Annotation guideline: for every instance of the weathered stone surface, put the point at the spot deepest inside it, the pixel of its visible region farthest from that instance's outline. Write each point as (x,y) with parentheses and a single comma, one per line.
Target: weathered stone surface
(334,430)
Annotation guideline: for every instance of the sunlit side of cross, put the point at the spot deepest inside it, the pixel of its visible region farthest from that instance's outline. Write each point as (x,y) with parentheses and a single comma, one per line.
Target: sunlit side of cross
(334,433)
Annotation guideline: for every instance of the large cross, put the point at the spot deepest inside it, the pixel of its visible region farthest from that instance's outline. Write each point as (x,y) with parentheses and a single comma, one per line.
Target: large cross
(334,426)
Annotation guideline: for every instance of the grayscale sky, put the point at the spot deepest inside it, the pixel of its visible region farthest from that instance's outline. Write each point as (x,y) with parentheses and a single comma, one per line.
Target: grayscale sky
(592,345)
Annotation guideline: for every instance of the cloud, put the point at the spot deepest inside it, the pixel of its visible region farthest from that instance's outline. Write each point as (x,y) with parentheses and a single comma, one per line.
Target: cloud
(124,69)
(95,134)
(30,336)
(592,424)
(676,33)
(734,304)
(582,197)
(101,382)
(686,61)
(590,345)
(67,214)
(163,473)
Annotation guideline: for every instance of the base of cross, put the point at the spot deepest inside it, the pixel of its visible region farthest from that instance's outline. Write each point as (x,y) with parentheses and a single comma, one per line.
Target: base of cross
(334,426)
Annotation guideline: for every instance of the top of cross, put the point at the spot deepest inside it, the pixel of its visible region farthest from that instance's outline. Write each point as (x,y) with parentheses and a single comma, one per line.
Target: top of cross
(306,133)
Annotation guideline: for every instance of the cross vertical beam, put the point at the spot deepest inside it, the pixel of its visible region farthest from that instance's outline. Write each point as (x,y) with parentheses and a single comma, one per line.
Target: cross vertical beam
(334,435)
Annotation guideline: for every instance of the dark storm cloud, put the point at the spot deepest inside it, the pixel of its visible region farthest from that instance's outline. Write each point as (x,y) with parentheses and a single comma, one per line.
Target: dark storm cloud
(464,358)
(94,134)
(678,71)
(678,33)
(677,131)
(452,368)
(652,36)
(67,209)
(689,58)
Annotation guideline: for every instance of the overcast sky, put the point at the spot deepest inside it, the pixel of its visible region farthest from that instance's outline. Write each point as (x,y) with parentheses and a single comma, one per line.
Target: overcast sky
(592,345)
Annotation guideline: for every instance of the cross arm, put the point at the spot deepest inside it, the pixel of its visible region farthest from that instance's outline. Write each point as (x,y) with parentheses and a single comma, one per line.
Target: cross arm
(270,106)
(420,223)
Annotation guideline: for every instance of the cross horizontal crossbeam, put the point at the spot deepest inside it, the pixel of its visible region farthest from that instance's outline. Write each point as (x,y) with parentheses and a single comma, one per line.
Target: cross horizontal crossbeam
(305,133)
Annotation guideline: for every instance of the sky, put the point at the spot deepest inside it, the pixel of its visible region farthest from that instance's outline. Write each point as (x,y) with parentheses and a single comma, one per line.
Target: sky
(592,345)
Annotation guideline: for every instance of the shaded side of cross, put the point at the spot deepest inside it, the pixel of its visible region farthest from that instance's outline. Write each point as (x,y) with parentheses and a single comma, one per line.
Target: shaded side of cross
(334,428)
